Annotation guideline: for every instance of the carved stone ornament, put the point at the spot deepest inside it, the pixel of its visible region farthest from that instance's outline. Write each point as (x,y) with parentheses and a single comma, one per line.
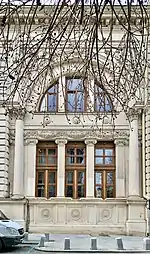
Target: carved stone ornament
(46,214)
(46,120)
(105,215)
(16,112)
(133,113)
(75,214)
(76,120)
(121,142)
(76,135)
(90,141)
(31,141)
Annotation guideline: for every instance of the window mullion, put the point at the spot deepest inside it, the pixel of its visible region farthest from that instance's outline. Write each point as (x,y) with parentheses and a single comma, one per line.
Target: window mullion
(104,184)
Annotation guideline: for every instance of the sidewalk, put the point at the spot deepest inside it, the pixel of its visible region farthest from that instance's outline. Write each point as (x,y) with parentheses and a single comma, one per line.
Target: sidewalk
(83,243)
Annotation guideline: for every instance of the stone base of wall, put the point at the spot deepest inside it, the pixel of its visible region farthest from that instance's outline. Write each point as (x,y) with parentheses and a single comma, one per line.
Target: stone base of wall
(85,216)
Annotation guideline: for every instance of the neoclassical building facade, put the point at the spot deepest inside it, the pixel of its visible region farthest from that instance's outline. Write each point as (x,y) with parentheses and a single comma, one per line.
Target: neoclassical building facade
(66,170)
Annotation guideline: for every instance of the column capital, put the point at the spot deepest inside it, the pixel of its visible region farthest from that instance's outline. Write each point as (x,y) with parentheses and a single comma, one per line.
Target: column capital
(90,141)
(133,113)
(17,112)
(121,142)
(31,141)
(61,141)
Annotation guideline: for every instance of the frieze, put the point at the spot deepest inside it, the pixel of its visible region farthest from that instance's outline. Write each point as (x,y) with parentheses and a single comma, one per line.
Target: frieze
(76,135)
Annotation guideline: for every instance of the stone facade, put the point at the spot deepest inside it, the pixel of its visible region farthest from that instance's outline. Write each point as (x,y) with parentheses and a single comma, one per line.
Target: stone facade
(20,134)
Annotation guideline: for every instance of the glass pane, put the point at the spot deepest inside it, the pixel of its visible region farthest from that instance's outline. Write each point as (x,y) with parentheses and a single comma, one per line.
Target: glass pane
(80,151)
(81,191)
(51,191)
(41,191)
(52,151)
(99,160)
(99,104)
(107,105)
(70,151)
(108,152)
(80,160)
(99,152)
(51,177)
(52,102)
(42,156)
(98,191)
(69,191)
(69,177)
(80,102)
(108,160)
(53,89)
(81,177)
(98,177)
(51,156)
(40,177)
(109,192)
(75,84)
(70,160)
(71,102)
(109,178)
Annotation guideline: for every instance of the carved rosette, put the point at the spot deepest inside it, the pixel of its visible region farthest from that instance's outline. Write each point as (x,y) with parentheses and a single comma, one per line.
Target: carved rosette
(75,214)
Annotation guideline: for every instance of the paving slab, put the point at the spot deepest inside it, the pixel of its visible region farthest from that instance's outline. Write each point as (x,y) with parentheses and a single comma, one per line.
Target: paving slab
(82,243)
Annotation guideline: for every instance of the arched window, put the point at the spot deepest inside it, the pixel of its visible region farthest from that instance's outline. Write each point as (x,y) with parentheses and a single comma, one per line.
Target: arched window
(75,95)
(49,102)
(102,102)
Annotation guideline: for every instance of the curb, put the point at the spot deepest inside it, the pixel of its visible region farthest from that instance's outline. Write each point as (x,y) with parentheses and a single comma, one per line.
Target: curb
(45,249)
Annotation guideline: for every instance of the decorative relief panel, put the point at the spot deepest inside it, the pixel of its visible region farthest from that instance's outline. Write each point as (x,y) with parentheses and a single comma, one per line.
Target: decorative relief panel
(45,215)
(77,135)
(74,215)
(105,215)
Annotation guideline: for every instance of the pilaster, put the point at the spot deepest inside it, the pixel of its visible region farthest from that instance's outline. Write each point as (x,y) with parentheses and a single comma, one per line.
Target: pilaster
(61,167)
(120,167)
(30,167)
(90,167)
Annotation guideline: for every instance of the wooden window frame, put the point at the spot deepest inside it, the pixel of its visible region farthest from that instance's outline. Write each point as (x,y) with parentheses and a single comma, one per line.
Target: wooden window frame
(85,94)
(45,96)
(105,168)
(75,168)
(46,168)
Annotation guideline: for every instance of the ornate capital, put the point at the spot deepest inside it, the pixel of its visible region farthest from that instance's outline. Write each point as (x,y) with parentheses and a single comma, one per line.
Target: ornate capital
(61,141)
(90,141)
(31,141)
(133,113)
(16,112)
(121,142)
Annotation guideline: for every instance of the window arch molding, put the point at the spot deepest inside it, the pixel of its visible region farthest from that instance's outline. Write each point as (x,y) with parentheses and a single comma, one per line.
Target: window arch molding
(76,93)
